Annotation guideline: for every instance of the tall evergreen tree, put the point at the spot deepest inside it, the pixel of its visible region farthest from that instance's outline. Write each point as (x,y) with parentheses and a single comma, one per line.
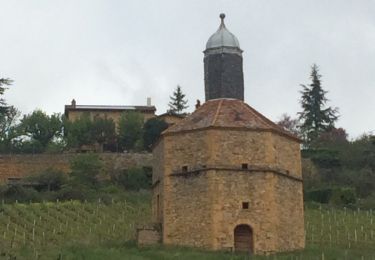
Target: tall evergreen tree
(315,118)
(178,102)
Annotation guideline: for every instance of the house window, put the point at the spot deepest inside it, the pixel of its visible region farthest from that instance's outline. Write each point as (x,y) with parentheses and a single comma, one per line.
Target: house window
(184,168)
(245,205)
(245,166)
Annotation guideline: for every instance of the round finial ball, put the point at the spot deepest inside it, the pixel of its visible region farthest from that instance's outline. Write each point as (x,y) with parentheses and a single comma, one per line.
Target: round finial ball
(222,16)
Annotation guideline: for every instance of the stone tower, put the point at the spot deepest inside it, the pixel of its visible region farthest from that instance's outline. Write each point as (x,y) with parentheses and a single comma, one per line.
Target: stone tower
(223,73)
(226,177)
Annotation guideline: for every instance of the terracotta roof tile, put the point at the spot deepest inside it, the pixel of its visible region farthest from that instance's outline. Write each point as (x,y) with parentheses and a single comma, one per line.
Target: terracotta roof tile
(227,113)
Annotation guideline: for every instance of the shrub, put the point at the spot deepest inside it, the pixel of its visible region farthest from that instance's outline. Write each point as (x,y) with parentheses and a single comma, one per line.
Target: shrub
(21,194)
(75,192)
(86,168)
(343,196)
(49,180)
(134,179)
(337,196)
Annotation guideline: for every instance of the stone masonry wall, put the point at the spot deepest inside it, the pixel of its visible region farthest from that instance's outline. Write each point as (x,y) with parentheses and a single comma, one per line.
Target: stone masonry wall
(19,166)
(157,183)
(203,204)
(234,188)
(114,115)
(188,214)
(232,148)
(290,221)
(287,155)
(148,236)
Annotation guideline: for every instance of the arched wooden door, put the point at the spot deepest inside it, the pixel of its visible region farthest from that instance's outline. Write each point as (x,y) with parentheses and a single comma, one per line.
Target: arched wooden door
(243,239)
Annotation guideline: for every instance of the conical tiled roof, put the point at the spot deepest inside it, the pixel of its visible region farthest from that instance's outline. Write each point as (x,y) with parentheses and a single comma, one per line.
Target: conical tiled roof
(227,113)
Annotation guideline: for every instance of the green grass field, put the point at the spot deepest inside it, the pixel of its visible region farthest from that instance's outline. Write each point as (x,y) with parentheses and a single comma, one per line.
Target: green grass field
(74,230)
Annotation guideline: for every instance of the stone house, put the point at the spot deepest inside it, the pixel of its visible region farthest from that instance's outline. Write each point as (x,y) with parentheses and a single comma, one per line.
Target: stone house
(226,177)
(74,111)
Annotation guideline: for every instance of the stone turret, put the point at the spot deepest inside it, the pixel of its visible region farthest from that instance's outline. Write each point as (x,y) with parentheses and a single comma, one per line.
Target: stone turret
(226,177)
(223,72)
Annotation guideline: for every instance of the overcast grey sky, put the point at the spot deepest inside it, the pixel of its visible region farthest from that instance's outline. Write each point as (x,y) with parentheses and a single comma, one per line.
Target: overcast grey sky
(120,52)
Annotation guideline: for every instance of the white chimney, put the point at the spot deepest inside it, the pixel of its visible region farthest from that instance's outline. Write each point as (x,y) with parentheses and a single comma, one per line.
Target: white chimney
(148,101)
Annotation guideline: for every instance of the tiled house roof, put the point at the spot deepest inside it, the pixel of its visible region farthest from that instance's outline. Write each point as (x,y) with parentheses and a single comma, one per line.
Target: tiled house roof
(227,113)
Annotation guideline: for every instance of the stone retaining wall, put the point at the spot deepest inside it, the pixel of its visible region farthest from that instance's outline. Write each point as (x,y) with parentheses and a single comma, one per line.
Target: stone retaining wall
(22,165)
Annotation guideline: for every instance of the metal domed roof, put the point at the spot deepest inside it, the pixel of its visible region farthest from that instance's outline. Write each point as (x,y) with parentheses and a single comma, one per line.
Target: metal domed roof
(222,37)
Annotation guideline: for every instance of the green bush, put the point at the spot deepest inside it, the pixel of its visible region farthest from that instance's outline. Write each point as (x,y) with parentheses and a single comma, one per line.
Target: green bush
(134,179)
(86,168)
(49,180)
(343,196)
(75,192)
(367,203)
(19,193)
(336,196)
(319,195)
(325,158)
(110,189)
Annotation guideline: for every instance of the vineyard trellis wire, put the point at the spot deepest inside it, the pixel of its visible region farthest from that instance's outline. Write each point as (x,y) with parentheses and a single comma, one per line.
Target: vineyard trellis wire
(41,225)
(340,227)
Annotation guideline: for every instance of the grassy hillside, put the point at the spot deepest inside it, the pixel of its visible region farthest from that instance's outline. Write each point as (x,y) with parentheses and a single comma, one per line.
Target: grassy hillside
(74,230)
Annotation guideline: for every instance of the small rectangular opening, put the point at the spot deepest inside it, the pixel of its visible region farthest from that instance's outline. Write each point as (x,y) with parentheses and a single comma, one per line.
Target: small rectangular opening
(184,168)
(245,166)
(158,207)
(245,205)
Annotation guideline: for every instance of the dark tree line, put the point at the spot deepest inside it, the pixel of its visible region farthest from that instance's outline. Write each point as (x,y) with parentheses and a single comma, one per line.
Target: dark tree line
(38,132)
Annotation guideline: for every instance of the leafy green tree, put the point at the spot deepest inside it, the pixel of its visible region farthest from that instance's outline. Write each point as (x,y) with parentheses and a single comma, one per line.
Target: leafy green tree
(315,117)
(178,102)
(3,105)
(103,130)
(41,127)
(78,132)
(8,117)
(8,128)
(130,131)
(85,131)
(152,130)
